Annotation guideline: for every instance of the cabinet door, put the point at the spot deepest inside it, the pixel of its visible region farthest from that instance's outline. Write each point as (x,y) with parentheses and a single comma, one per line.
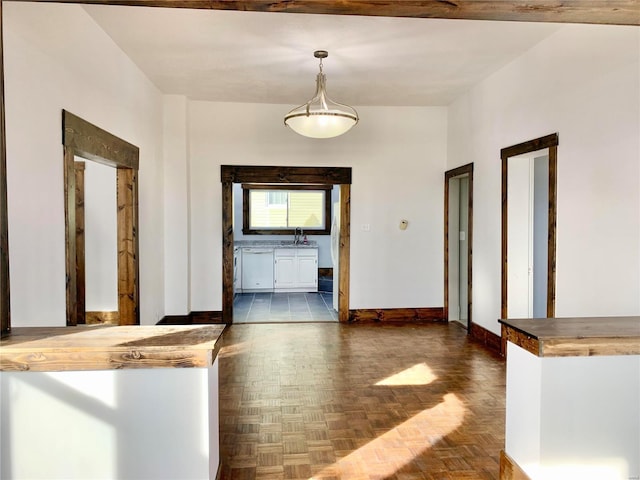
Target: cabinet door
(285,272)
(308,272)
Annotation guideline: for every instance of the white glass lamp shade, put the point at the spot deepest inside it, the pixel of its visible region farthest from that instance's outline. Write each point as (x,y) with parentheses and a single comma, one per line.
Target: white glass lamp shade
(321,117)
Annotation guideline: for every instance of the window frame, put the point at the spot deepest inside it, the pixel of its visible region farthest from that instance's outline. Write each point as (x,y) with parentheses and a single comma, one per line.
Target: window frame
(246,189)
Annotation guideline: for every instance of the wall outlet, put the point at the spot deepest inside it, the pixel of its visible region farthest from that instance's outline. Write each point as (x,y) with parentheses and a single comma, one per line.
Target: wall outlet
(366,227)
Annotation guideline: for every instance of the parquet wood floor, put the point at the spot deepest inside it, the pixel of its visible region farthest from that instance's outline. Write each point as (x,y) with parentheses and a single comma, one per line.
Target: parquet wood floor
(332,401)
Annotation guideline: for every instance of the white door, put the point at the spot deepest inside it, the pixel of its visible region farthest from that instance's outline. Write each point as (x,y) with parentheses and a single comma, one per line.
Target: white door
(527,219)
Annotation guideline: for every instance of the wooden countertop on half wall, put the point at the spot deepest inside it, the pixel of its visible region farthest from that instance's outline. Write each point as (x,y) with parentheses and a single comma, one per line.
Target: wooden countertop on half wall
(575,337)
(51,349)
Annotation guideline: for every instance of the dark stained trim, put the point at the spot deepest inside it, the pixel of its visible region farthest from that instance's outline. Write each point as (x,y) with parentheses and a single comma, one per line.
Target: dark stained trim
(551,228)
(344,253)
(430,314)
(94,143)
(227,250)
(616,12)
(128,254)
(550,142)
(284,175)
(456,172)
(193,318)
(81,313)
(5,297)
(530,146)
(71,257)
(487,338)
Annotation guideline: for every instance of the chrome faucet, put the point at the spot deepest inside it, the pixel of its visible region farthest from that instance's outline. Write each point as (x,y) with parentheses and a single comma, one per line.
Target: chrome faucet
(297,236)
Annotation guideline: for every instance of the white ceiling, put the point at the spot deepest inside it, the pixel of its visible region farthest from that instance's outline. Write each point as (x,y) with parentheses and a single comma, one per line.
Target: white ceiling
(268,57)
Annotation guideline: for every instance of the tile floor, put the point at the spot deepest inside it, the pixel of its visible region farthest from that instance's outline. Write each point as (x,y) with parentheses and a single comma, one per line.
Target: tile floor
(321,401)
(284,308)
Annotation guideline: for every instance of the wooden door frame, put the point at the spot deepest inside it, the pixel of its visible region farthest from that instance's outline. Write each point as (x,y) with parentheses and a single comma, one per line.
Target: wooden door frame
(80,169)
(83,139)
(230,174)
(448,175)
(5,298)
(549,142)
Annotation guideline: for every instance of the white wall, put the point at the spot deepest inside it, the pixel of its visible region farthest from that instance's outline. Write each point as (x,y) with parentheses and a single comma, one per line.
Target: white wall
(584,83)
(398,158)
(100,238)
(176,206)
(57,58)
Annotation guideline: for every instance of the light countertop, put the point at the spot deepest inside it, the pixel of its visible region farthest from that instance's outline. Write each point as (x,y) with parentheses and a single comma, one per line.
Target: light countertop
(273,244)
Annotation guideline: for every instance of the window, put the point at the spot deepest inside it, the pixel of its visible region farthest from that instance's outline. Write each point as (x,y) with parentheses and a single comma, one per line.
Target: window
(279,209)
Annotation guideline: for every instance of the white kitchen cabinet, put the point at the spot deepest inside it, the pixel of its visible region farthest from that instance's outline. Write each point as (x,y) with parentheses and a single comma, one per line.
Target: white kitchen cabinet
(296,270)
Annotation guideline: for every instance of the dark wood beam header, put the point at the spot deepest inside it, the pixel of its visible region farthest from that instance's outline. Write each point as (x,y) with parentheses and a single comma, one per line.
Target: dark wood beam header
(263,174)
(97,144)
(615,12)
(547,141)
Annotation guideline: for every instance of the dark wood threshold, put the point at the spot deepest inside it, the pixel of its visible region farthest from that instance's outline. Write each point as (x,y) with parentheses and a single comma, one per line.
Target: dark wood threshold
(432,314)
(213,317)
(102,318)
(487,338)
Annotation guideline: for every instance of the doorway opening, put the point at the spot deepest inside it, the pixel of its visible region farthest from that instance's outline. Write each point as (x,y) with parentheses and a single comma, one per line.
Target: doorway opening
(231,174)
(529,197)
(458,242)
(84,140)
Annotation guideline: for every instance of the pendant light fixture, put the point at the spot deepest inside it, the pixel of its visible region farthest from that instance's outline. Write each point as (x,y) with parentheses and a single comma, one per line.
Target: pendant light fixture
(321,117)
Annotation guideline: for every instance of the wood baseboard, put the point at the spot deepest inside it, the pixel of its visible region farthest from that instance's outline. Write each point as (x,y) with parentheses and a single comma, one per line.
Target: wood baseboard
(510,470)
(487,338)
(325,272)
(193,318)
(102,318)
(433,314)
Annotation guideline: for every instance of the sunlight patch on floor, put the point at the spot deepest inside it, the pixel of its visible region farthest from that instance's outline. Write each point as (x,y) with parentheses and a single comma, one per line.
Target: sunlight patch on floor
(419,374)
(396,448)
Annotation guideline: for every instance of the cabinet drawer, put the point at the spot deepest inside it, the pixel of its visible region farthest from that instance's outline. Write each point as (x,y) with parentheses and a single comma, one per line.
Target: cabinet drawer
(285,252)
(307,252)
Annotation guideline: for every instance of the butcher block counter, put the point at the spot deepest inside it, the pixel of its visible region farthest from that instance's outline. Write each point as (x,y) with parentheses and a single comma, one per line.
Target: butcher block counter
(120,402)
(573,398)
(53,349)
(575,337)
